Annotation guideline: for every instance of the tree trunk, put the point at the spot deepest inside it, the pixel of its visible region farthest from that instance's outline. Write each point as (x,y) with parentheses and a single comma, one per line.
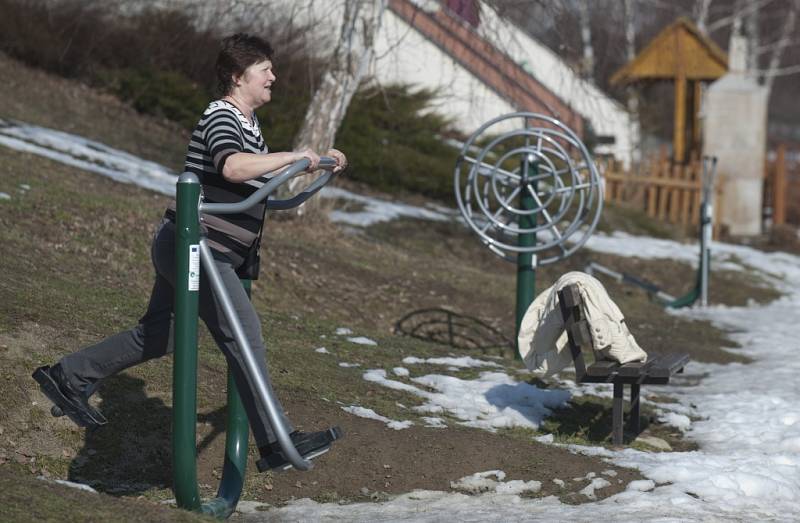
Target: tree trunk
(785,39)
(587,69)
(348,64)
(632,97)
(701,15)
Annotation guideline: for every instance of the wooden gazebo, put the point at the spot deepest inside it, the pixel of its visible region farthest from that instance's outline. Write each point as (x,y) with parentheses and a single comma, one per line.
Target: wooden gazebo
(679,53)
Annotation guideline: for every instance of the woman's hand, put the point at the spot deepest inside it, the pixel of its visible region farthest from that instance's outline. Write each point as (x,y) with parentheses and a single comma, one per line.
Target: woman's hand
(341,159)
(312,157)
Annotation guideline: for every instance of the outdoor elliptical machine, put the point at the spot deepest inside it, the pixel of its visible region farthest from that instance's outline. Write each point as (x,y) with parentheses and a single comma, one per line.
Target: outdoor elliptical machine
(700,289)
(532,194)
(192,253)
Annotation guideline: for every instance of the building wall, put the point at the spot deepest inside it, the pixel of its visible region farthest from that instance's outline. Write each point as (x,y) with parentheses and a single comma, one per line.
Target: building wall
(405,56)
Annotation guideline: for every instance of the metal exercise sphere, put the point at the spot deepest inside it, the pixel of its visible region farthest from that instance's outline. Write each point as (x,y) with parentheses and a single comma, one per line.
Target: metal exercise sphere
(537,180)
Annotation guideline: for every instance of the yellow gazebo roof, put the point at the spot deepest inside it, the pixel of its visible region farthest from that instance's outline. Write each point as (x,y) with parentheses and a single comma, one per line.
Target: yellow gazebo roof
(679,51)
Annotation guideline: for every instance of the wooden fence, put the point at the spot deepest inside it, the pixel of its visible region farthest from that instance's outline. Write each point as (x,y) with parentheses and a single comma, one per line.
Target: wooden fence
(782,185)
(664,191)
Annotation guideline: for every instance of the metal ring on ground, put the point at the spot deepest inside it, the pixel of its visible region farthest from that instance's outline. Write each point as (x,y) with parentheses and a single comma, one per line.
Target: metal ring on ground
(547,161)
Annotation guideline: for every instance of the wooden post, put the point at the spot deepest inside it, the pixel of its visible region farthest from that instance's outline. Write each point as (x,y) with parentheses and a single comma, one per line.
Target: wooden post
(679,133)
(779,187)
(697,132)
(663,191)
(674,196)
(686,194)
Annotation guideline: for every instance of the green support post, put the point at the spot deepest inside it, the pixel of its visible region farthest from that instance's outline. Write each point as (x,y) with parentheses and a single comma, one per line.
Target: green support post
(526,266)
(236,437)
(184,401)
(184,370)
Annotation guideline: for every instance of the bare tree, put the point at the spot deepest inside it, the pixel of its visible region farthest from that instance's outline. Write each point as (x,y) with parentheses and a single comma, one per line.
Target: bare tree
(701,15)
(785,38)
(352,56)
(587,66)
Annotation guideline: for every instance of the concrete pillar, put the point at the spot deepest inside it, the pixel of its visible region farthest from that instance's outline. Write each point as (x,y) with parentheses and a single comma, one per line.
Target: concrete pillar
(735,131)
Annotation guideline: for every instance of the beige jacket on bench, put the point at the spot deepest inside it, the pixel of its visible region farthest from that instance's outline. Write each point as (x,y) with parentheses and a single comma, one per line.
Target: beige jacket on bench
(543,340)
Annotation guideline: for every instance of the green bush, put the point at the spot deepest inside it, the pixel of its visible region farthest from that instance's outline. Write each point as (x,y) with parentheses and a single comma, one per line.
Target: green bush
(394,142)
(161,93)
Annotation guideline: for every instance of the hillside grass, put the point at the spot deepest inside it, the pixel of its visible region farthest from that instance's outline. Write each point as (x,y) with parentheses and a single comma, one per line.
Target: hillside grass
(77,269)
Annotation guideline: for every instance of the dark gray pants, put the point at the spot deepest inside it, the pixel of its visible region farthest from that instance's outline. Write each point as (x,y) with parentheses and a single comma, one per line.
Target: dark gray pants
(153,336)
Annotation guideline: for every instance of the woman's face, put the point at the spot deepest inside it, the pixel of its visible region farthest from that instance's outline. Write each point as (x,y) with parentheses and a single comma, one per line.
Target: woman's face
(255,85)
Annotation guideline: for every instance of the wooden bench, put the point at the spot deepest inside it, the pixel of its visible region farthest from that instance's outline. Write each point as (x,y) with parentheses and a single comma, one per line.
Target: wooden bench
(657,369)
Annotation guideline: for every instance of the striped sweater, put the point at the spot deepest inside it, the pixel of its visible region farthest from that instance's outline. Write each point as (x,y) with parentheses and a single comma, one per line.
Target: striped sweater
(222,131)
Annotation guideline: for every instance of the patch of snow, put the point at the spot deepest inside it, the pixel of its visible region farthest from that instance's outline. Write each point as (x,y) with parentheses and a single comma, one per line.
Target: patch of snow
(463,362)
(482,482)
(88,155)
(322,350)
(343,331)
(70,484)
(596,484)
(361,340)
(641,485)
(493,400)
(434,423)
(5,196)
(349,365)
(377,210)
(364,412)
(676,420)
(400,371)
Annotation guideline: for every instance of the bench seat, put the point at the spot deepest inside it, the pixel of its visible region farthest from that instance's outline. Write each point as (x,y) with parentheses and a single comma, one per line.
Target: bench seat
(657,370)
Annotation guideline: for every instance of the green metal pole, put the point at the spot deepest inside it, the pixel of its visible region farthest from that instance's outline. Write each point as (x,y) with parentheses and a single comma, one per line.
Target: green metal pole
(237,434)
(526,271)
(184,370)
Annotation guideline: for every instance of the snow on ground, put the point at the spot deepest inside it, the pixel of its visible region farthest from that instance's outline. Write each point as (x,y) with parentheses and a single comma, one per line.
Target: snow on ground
(88,155)
(747,423)
(482,482)
(492,401)
(118,165)
(363,412)
(362,340)
(464,362)
(377,210)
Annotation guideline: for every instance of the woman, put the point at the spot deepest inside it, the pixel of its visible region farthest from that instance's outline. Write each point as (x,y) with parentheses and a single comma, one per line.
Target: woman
(228,154)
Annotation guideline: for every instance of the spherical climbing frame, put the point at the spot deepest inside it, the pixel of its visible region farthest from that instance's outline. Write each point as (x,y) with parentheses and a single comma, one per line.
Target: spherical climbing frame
(528,187)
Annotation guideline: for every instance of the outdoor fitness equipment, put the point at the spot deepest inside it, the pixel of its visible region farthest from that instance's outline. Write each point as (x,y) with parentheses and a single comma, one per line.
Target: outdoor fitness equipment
(192,251)
(532,194)
(700,289)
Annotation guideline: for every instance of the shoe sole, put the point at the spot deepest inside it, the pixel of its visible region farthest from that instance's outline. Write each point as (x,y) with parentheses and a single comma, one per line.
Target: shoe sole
(334,433)
(62,406)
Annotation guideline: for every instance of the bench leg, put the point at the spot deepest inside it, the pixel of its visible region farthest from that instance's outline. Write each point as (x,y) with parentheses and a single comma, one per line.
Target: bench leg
(616,415)
(633,420)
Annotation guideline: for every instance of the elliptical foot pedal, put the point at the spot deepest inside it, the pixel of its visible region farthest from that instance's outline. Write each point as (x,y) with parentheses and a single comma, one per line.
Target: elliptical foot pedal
(82,415)
(309,445)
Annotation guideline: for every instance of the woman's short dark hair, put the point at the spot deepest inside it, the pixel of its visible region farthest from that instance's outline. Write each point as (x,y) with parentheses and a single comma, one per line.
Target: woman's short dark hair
(238,52)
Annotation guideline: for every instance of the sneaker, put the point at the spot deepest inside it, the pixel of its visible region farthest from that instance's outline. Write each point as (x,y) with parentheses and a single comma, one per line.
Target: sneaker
(67,400)
(309,444)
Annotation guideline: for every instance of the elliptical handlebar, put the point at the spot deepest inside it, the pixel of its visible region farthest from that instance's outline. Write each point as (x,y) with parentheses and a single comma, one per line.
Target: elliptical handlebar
(325,163)
(192,251)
